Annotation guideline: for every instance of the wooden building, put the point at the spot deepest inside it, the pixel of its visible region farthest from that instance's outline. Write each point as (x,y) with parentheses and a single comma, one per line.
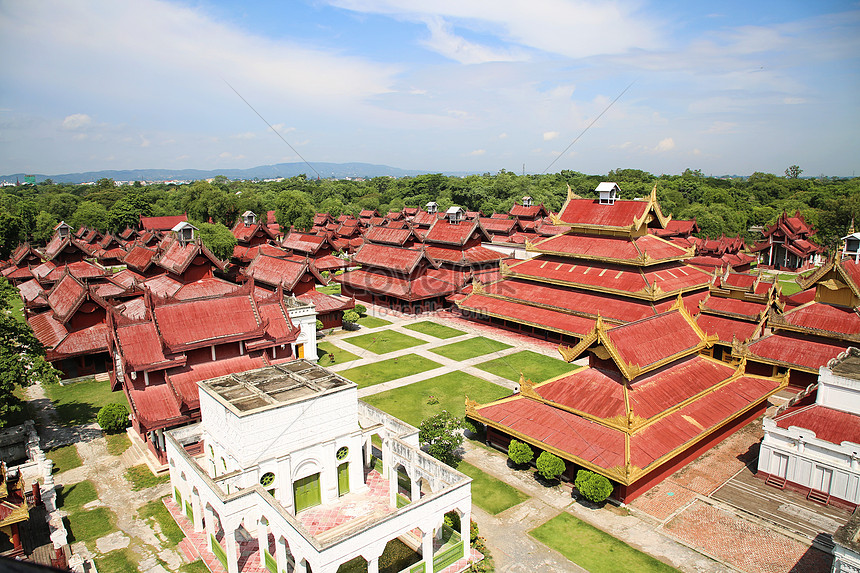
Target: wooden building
(788,245)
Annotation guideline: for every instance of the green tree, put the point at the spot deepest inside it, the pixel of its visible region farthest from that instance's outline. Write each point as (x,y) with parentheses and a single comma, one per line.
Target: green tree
(294,208)
(10,233)
(217,239)
(22,356)
(793,172)
(549,465)
(126,212)
(92,215)
(441,435)
(520,453)
(593,486)
(350,316)
(113,418)
(44,228)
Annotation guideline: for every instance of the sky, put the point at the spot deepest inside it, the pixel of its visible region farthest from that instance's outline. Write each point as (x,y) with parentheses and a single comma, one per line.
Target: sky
(728,87)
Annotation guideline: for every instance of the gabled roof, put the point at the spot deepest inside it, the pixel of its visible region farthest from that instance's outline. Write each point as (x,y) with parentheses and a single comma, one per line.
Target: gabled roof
(447,233)
(499,226)
(284,272)
(326,303)
(303,242)
(641,251)
(846,271)
(622,214)
(139,257)
(805,353)
(161,223)
(66,296)
(248,254)
(463,257)
(647,344)
(399,236)
(24,251)
(821,319)
(522,212)
(727,329)
(432,282)
(176,256)
(244,233)
(398,259)
(58,244)
(32,293)
(80,269)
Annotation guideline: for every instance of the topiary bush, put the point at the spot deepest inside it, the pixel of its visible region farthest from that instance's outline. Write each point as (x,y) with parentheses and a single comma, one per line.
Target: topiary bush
(319,325)
(550,466)
(360,309)
(520,453)
(594,487)
(350,316)
(113,418)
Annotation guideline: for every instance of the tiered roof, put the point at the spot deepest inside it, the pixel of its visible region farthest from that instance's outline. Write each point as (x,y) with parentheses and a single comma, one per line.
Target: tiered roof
(604,262)
(650,396)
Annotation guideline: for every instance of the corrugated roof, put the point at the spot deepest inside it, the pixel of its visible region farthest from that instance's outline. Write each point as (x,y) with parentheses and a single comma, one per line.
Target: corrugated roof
(734,307)
(726,328)
(161,223)
(830,425)
(66,296)
(654,339)
(276,272)
(140,347)
(390,235)
(471,256)
(524,313)
(201,322)
(303,242)
(804,353)
(397,259)
(611,248)
(447,233)
(325,303)
(139,257)
(829,318)
(205,287)
(591,212)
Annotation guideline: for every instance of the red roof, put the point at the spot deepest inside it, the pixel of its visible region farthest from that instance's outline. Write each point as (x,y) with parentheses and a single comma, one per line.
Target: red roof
(32,292)
(161,223)
(464,257)
(499,226)
(726,328)
(17,273)
(155,406)
(830,425)
(47,329)
(178,256)
(141,350)
(804,353)
(66,296)
(431,283)
(276,272)
(820,316)
(205,287)
(611,248)
(244,233)
(329,263)
(326,303)
(78,269)
(650,340)
(184,379)
(163,285)
(139,257)
(800,298)
(448,233)
(734,307)
(43,270)
(247,254)
(522,212)
(555,320)
(397,259)
(303,242)
(390,235)
(591,212)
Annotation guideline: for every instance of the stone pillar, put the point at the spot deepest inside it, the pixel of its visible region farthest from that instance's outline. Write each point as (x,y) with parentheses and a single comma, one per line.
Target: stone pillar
(262,539)
(392,487)
(368,451)
(197,511)
(281,553)
(373,565)
(301,564)
(211,530)
(415,489)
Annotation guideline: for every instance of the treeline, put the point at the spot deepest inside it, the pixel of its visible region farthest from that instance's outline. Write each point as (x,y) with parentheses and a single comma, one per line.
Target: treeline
(729,206)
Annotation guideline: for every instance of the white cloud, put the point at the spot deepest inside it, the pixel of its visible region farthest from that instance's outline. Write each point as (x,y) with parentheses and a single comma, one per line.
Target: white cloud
(77,121)
(478,152)
(550,135)
(723,127)
(144,142)
(246,135)
(457,48)
(664,145)
(793,100)
(503,136)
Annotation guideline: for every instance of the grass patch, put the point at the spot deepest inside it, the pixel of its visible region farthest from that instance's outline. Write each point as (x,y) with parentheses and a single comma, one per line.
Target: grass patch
(333,288)
(432,329)
(141,477)
(469,348)
(65,458)
(155,511)
(194,567)
(390,369)
(536,367)
(79,403)
(788,284)
(90,525)
(384,342)
(592,548)
(491,494)
(73,497)
(409,403)
(372,322)
(117,443)
(324,349)
(117,561)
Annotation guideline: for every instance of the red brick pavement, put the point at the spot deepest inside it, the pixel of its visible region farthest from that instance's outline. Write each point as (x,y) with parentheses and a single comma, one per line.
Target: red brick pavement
(751,547)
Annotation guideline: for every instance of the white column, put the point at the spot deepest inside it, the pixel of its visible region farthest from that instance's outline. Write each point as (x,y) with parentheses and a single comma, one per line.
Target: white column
(301,564)
(465,531)
(427,549)
(231,548)
(262,539)
(211,530)
(197,511)
(281,553)
(392,486)
(373,565)
(414,490)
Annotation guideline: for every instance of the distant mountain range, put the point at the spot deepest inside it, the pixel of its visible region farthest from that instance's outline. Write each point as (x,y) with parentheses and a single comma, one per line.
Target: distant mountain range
(326,170)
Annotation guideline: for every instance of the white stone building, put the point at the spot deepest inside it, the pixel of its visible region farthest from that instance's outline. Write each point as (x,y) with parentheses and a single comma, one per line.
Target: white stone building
(815,447)
(287,467)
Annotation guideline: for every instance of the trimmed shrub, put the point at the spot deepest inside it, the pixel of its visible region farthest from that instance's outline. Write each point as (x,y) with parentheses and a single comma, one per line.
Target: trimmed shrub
(113,418)
(550,466)
(319,325)
(350,316)
(594,487)
(520,452)
(360,309)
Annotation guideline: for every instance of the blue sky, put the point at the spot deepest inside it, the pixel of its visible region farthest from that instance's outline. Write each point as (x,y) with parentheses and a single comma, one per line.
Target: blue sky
(449,85)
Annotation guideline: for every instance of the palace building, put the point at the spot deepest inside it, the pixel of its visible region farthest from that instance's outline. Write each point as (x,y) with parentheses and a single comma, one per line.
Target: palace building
(648,403)
(287,478)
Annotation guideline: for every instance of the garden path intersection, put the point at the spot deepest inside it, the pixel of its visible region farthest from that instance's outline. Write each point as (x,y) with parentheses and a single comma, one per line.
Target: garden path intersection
(678,522)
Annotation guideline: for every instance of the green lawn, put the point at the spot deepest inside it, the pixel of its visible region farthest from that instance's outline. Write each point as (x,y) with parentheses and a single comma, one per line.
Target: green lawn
(340,356)
(384,342)
(74,496)
(79,403)
(372,322)
(90,525)
(409,403)
(536,367)
(788,284)
(432,329)
(331,288)
(141,477)
(491,494)
(469,348)
(117,443)
(194,567)
(117,561)
(592,548)
(390,369)
(155,511)
(65,458)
